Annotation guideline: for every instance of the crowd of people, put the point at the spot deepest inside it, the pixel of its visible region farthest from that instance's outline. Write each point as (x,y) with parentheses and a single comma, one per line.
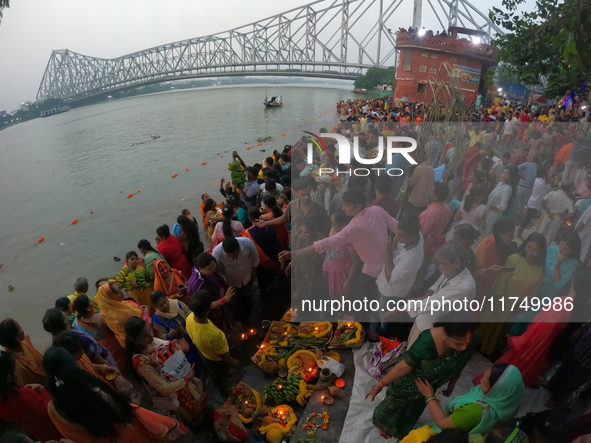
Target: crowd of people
(174,314)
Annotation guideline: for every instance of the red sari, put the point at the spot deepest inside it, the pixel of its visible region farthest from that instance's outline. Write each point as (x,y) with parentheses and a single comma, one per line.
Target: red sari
(27,408)
(470,162)
(529,351)
(146,426)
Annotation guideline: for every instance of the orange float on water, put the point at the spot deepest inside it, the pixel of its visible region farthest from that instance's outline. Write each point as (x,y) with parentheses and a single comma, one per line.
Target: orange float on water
(40,239)
(272,140)
(92,212)
(74,221)
(259,144)
(174,175)
(138,191)
(204,163)
(186,169)
(129,195)
(285,133)
(221,155)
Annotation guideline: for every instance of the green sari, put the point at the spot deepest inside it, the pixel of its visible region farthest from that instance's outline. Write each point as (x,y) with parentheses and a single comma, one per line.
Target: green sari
(404,403)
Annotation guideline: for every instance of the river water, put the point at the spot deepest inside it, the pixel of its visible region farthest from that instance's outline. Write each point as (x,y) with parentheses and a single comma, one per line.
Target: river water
(57,169)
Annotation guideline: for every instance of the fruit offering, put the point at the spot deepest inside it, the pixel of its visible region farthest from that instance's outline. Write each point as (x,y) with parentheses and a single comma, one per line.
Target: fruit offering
(279,424)
(125,279)
(305,363)
(348,335)
(318,330)
(246,400)
(281,333)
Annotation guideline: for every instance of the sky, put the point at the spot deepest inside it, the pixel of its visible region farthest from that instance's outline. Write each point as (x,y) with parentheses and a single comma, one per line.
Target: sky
(31,29)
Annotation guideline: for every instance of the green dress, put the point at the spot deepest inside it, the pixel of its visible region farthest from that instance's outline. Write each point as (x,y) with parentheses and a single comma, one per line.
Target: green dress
(404,403)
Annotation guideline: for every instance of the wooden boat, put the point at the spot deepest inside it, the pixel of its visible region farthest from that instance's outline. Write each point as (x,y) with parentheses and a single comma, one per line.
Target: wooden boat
(273,102)
(360,91)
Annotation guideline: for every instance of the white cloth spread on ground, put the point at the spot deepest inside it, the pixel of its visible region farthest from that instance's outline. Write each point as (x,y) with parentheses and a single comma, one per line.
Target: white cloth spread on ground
(358,427)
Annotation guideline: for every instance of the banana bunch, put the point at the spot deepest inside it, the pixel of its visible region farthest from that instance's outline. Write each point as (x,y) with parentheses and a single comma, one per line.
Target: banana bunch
(125,279)
(284,390)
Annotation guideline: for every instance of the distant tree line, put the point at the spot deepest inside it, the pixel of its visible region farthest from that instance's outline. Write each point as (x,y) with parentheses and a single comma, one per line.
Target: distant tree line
(376,76)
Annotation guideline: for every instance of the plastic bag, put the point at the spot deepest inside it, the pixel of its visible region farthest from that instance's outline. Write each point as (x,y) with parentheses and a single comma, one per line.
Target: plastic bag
(228,426)
(173,360)
(382,356)
(337,368)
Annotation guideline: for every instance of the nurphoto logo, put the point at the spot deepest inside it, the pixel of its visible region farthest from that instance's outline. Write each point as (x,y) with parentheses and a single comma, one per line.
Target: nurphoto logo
(343,147)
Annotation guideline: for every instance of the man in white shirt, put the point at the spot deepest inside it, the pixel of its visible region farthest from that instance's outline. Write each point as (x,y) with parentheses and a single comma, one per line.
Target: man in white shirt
(534,204)
(455,283)
(559,207)
(508,129)
(237,261)
(404,257)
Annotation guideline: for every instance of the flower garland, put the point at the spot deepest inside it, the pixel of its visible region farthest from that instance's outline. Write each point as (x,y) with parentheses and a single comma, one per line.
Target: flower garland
(259,403)
(291,422)
(327,330)
(268,352)
(304,393)
(358,332)
(311,427)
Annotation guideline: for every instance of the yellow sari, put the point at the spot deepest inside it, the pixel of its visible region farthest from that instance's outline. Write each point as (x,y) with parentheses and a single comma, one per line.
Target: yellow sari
(142,296)
(29,364)
(116,311)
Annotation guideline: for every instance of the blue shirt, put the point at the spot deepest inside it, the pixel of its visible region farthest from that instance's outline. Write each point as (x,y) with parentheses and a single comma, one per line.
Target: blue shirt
(527,172)
(439,172)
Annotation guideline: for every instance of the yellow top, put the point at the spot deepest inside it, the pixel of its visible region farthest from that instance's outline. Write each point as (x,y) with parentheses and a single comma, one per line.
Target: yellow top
(209,339)
(92,300)
(523,282)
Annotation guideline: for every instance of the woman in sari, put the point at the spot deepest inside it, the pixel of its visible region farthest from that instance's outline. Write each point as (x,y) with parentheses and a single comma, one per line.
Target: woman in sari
(530,351)
(72,343)
(28,361)
(94,324)
(148,355)
(150,254)
(116,310)
(77,396)
(562,262)
(267,244)
(205,278)
(495,399)
(25,407)
(168,280)
(438,356)
(498,200)
(169,324)
(225,228)
(141,296)
(189,238)
(491,254)
(521,278)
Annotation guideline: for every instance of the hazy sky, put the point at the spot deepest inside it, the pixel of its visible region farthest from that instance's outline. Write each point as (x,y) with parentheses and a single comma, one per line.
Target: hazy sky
(31,29)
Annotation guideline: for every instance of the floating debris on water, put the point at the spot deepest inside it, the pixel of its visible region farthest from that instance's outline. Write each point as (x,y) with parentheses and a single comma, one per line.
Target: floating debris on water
(10,288)
(116,259)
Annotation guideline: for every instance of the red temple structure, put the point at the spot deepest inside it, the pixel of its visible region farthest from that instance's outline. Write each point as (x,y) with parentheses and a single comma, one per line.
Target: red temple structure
(426,60)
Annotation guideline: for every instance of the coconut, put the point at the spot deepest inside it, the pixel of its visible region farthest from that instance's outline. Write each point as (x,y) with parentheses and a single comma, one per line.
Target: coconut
(274,435)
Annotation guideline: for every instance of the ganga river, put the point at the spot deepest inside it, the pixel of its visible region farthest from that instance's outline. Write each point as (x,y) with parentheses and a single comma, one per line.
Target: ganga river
(58,169)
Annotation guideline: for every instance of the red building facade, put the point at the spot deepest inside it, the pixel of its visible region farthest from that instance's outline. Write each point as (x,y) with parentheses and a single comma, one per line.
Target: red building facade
(431,59)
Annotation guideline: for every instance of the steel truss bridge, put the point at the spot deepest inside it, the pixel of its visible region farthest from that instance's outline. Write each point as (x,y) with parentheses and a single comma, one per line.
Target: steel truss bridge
(337,39)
